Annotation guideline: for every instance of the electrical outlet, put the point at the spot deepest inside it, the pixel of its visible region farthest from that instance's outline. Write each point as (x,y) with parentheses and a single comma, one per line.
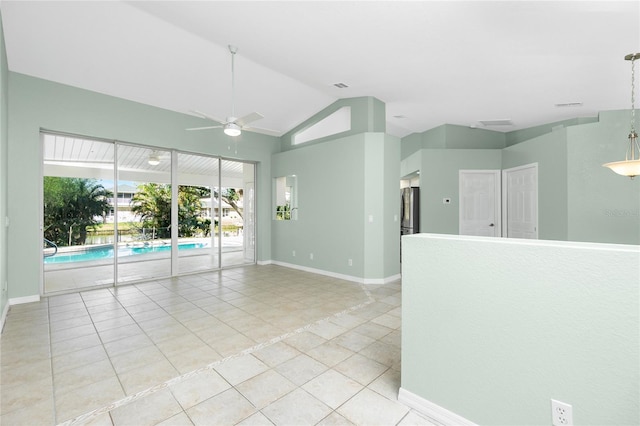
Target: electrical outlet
(311,256)
(350,262)
(561,413)
(293,253)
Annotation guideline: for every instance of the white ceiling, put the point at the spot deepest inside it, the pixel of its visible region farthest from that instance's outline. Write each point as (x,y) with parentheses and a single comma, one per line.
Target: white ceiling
(432,62)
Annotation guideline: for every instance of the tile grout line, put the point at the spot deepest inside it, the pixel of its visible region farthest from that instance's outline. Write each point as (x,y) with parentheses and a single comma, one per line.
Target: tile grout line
(94,413)
(53,388)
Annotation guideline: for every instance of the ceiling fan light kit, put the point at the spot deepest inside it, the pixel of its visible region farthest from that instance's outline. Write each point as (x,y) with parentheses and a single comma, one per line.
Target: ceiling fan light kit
(630,166)
(154,159)
(232,129)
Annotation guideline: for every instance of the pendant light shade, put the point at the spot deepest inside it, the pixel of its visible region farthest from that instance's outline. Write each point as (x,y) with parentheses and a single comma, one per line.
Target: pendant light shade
(630,166)
(154,159)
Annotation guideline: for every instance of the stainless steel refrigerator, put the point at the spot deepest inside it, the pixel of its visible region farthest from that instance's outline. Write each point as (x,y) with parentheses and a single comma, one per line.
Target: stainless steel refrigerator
(410,211)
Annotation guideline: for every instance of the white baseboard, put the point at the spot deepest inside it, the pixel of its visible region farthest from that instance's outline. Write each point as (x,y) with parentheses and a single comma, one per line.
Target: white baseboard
(5,311)
(25,299)
(434,411)
(351,278)
(386,280)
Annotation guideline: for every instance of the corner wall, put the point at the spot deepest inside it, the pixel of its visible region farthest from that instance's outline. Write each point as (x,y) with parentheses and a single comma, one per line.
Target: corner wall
(521,323)
(4,101)
(550,152)
(341,184)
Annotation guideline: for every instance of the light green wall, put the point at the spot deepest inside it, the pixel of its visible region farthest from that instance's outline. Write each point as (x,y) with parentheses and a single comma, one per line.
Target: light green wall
(381,206)
(523,135)
(603,206)
(330,180)
(461,137)
(340,183)
(452,136)
(494,328)
(36,104)
(439,179)
(4,97)
(391,206)
(550,152)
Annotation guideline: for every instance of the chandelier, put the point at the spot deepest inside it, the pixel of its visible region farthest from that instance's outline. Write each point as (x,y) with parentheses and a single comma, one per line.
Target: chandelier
(630,166)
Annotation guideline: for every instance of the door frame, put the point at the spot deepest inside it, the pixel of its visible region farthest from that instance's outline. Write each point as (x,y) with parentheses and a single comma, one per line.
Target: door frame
(505,196)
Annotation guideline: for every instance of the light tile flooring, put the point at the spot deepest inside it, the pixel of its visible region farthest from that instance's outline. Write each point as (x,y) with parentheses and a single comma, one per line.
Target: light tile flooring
(259,345)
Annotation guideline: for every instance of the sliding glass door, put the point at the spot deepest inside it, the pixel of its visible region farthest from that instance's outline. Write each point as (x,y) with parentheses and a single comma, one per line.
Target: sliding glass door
(116,213)
(77,230)
(198,243)
(143,213)
(237,220)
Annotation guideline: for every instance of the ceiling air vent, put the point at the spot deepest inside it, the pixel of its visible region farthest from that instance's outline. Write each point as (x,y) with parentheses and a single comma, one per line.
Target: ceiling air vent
(340,85)
(496,122)
(568,104)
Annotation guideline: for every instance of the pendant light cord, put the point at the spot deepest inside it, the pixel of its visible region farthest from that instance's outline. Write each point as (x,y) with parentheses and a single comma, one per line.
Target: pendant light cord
(633,96)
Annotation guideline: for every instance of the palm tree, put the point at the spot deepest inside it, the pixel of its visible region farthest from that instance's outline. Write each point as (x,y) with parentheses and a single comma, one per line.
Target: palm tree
(70,206)
(152,203)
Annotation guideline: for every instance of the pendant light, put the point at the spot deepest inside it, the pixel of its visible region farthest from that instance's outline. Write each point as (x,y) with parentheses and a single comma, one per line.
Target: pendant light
(631,164)
(154,159)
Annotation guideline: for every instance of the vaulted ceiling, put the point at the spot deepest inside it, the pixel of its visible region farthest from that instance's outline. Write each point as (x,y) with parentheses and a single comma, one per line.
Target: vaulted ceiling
(431,62)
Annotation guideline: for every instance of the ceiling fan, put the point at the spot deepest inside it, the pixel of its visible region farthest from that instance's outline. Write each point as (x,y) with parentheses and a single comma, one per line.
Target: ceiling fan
(233,125)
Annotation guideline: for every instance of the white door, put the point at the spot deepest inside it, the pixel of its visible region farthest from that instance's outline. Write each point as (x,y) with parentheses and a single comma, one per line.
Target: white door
(520,203)
(480,203)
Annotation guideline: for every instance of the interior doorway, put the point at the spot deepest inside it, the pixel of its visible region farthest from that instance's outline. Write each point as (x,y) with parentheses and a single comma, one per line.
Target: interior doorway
(479,196)
(495,203)
(520,201)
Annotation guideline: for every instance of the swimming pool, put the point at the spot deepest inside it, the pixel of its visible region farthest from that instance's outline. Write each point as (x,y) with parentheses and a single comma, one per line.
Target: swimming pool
(101,253)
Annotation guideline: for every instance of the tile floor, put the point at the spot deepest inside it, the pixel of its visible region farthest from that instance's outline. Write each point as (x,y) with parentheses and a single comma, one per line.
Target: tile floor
(259,345)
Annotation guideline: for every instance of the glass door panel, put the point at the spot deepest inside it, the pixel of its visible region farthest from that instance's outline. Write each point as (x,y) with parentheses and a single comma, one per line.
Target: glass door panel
(143,213)
(237,220)
(77,221)
(198,247)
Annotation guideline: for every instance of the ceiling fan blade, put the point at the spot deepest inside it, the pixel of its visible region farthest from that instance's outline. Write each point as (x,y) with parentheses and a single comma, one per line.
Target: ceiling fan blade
(208,117)
(204,128)
(249,118)
(263,131)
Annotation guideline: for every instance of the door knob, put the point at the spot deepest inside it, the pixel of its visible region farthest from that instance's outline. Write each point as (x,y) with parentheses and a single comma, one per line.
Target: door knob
(491,224)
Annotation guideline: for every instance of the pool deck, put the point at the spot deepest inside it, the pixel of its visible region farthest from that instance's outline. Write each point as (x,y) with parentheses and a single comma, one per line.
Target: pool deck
(74,276)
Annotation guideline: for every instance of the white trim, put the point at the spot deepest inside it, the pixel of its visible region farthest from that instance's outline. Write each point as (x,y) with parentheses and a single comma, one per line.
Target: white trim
(431,410)
(333,274)
(25,299)
(386,280)
(5,312)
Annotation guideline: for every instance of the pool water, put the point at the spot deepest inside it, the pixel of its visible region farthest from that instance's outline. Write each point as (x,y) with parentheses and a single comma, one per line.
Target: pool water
(100,253)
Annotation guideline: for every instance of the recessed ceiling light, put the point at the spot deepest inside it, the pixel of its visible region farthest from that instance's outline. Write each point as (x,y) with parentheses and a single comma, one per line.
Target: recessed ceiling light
(496,122)
(340,85)
(569,104)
